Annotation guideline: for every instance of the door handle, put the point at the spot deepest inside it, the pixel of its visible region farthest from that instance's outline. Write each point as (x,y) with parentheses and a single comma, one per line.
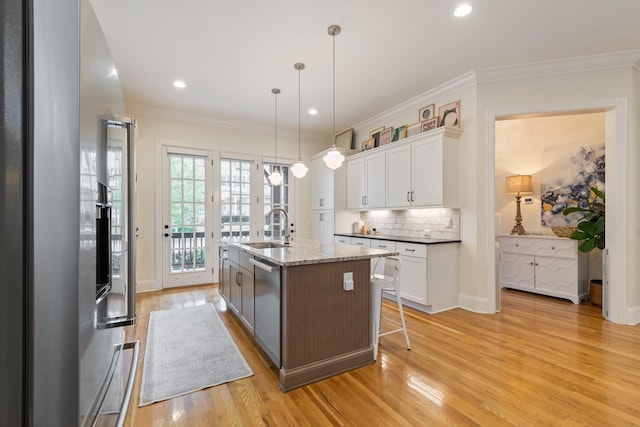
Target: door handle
(321,217)
(408,199)
(166,234)
(412,196)
(321,202)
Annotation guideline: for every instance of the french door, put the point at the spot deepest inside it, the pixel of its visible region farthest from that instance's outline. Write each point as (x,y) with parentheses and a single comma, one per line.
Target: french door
(187,242)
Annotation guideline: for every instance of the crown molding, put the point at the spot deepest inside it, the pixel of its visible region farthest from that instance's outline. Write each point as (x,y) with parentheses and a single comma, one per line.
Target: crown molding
(606,61)
(452,86)
(133,109)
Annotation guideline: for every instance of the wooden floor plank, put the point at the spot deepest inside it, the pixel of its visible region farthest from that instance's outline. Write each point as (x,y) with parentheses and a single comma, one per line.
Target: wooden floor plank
(540,361)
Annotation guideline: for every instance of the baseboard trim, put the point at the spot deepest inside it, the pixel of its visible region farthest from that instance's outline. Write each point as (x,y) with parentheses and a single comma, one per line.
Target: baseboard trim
(297,377)
(475,304)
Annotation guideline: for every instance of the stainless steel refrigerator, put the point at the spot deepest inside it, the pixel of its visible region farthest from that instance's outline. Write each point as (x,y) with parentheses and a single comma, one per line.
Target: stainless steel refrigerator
(67,192)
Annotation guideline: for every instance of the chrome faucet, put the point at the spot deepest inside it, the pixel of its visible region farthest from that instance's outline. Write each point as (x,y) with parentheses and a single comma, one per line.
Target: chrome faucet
(287,232)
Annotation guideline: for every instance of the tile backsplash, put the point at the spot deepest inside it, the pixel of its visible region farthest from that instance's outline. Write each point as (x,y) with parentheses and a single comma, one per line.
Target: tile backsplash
(414,222)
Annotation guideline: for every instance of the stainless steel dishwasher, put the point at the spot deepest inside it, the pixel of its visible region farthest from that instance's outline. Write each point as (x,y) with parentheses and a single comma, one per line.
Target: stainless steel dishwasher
(267,307)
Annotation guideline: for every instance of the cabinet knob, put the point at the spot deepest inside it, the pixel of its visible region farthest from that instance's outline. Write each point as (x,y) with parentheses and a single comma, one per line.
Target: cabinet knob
(553,247)
(531,263)
(517,245)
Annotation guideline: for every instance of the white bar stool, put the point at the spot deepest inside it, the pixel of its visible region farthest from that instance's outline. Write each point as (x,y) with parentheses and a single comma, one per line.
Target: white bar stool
(386,282)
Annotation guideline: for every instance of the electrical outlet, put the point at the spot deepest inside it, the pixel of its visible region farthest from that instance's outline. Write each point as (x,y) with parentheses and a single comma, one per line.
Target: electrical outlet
(447,223)
(347,283)
(528,200)
(426,234)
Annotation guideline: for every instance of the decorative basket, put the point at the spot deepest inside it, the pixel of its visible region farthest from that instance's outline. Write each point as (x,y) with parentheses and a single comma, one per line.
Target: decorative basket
(563,231)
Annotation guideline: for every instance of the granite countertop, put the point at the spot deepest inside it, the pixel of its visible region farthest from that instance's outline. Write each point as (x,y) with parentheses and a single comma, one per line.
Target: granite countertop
(406,239)
(301,252)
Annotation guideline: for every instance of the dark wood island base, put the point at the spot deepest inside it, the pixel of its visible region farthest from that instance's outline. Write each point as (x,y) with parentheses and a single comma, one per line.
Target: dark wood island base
(325,329)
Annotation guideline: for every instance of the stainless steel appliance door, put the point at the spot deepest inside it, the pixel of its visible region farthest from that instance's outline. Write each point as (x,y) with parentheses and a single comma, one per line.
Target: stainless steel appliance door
(267,308)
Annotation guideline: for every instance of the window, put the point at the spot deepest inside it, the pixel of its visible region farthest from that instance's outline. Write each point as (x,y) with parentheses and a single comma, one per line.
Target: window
(235,199)
(275,196)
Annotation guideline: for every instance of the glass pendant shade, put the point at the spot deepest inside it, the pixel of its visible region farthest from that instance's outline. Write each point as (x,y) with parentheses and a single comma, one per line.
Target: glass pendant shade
(333,159)
(276,177)
(299,169)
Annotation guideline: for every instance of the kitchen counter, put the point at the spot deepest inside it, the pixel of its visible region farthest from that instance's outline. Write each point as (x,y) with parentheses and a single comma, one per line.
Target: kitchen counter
(304,252)
(420,240)
(311,306)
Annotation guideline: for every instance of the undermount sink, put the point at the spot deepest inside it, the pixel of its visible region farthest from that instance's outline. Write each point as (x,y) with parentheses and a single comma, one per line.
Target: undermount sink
(266,245)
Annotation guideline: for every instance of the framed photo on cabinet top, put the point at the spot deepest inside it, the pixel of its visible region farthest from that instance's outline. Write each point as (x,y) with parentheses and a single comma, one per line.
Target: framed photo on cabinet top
(377,130)
(345,139)
(399,133)
(385,136)
(367,144)
(413,129)
(427,112)
(449,114)
(429,124)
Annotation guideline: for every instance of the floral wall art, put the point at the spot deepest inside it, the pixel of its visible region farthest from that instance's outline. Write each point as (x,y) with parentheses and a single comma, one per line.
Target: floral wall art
(567,175)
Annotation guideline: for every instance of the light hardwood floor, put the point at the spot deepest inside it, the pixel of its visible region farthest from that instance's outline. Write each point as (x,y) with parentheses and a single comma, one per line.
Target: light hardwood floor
(540,362)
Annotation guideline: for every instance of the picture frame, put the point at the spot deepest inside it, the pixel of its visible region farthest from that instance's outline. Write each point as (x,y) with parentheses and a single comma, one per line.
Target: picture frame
(413,129)
(449,114)
(367,144)
(428,125)
(427,113)
(345,139)
(385,136)
(377,130)
(399,133)
(376,138)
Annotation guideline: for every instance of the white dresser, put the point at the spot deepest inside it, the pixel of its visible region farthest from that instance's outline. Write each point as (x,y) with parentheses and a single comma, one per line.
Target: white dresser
(545,265)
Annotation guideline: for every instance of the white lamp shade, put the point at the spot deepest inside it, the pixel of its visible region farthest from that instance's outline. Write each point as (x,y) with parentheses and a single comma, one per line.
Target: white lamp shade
(519,184)
(299,169)
(333,159)
(275,178)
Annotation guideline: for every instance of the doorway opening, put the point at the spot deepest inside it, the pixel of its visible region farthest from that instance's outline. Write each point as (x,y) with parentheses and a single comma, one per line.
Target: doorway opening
(615,131)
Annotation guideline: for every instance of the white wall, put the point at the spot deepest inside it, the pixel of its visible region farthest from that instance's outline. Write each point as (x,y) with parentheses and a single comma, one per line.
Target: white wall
(201,135)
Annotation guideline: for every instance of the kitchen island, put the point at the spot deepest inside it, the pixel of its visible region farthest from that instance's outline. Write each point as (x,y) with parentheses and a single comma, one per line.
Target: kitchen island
(310,305)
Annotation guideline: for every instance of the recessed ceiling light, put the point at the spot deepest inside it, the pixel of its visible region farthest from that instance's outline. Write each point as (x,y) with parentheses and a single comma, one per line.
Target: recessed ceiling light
(180,84)
(313,111)
(114,73)
(462,10)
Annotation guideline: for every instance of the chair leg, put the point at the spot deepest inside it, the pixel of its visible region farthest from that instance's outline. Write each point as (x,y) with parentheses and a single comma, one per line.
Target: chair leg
(376,312)
(404,325)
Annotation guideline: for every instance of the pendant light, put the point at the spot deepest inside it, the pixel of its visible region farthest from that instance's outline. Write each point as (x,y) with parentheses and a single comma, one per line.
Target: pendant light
(276,177)
(299,169)
(333,159)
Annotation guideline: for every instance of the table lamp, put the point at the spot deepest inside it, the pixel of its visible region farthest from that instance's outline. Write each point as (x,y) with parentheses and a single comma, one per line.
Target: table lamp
(518,184)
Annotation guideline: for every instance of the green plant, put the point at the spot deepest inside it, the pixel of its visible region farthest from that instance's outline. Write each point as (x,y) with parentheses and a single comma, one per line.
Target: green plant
(591,226)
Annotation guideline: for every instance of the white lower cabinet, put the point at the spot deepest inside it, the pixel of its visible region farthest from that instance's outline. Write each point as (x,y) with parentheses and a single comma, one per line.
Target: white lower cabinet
(341,240)
(361,241)
(545,265)
(429,275)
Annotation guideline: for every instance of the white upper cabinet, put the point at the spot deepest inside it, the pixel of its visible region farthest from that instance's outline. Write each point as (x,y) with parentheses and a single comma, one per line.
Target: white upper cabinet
(421,171)
(366,186)
(399,179)
(322,181)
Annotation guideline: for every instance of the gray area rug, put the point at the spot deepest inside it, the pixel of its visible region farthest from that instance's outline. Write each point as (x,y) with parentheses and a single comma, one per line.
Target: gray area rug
(188,349)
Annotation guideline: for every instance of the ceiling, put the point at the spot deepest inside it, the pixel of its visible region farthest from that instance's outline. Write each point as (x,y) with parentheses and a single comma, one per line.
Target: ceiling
(231,53)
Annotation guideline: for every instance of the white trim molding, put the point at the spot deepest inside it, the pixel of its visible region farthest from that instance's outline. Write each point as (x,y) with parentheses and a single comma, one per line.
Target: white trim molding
(606,61)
